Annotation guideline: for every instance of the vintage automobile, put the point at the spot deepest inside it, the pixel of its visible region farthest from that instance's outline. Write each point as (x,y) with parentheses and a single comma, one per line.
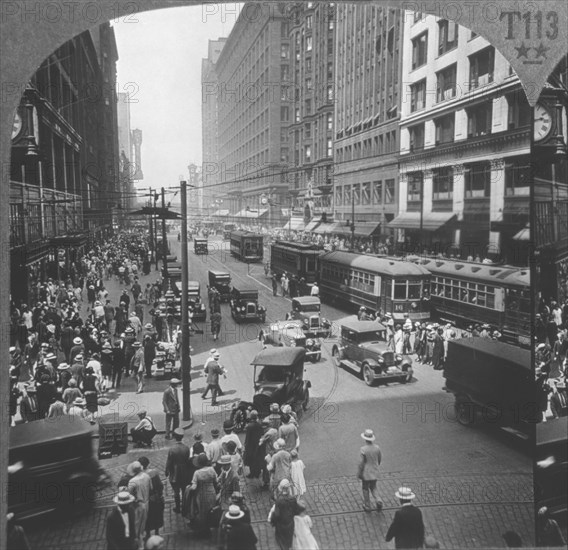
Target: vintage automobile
(244,306)
(278,378)
(221,281)
(52,468)
(200,246)
(196,306)
(291,334)
(164,364)
(362,348)
(307,309)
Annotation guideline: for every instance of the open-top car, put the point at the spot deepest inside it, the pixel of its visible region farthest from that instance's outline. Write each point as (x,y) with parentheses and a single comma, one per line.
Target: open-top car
(307,310)
(278,378)
(362,348)
(194,303)
(221,281)
(291,334)
(200,246)
(244,306)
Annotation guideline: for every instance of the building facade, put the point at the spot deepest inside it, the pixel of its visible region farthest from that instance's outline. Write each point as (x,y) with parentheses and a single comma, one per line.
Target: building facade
(310,83)
(464,145)
(367,99)
(254,113)
(64,160)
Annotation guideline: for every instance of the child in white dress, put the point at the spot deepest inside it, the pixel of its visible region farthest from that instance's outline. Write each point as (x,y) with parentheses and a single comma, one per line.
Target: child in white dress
(303,538)
(297,468)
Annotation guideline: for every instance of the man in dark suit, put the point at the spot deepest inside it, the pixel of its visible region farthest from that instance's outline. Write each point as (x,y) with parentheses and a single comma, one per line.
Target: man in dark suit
(170,402)
(177,467)
(29,405)
(120,527)
(407,527)
(558,399)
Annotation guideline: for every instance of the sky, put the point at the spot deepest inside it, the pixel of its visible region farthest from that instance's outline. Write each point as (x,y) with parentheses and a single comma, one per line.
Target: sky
(159,64)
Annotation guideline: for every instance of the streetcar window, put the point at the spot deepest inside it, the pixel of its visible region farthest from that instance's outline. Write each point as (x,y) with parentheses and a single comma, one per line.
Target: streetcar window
(400,290)
(414,291)
(310,264)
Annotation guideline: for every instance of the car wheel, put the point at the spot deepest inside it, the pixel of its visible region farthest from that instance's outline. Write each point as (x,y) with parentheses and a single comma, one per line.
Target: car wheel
(306,401)
(465,411)
(367,373)
(336,357)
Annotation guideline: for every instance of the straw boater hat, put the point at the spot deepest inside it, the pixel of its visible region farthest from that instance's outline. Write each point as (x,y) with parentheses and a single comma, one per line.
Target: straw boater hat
(405,493)
(148,326)
(77,341)
(63,366)
(234,512)
(136,344)
(368,435)
(79,402)
(175,381)
(123,498)
(225,459)
(51,357)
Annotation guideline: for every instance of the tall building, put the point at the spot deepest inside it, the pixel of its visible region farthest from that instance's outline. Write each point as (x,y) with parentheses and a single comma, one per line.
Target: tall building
(209,122)
(254,114)
(464,145)
(126,184)
(308,147)
(64,160)
(367,99)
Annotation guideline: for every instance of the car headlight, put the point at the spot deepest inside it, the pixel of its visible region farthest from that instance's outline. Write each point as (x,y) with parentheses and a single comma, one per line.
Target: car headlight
(380,360)
(398,358)
(293,342)
(202,306)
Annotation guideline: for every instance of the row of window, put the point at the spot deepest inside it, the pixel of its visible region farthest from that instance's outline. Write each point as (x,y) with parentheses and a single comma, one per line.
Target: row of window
(463,291)
(367,193)
(379,145)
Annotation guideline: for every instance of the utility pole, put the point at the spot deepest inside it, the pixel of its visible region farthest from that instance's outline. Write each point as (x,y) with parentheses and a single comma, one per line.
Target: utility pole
(185,358)
(353,217)
(164,235)
(151,220)
(155,243)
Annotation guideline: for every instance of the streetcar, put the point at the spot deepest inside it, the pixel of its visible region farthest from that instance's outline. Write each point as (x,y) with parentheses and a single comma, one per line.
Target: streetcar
(299,259)
(247,246)
(381,284)
(468,292)
(227,229)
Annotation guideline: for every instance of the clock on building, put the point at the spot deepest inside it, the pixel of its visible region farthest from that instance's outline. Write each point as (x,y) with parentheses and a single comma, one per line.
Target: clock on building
(17,126)
(542,122)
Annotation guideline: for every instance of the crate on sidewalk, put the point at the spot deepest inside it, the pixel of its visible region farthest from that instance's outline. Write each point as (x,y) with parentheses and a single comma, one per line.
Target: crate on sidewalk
(113,439)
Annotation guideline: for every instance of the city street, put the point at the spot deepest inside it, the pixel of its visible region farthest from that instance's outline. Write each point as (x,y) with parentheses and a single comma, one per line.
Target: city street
(472,484)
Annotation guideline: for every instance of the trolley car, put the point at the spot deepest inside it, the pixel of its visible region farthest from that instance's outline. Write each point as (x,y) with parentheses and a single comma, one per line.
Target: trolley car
(299,259)
(391,286)
(247,246)
(468,292)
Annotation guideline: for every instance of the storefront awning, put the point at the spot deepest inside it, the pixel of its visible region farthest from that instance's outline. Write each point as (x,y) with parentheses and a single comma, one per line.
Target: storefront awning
(295,224)
(523,235)
(251,214)
(362,229)
(78,239)
(431,221)
(324,228)
(311,226)
(221,213)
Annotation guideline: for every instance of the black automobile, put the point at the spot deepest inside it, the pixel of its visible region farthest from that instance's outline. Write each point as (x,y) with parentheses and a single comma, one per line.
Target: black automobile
(196,306)
(244,306)
(200,246)
(307,310)
(278,378)
(291,334)
(221,281)
(52,467)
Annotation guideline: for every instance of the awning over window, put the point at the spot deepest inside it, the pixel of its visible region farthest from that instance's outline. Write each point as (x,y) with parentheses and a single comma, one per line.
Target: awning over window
(431,221)
(221,213)
(324,228)
(362,229)
(253,214)
(311,226)
(295,224)
(523,235)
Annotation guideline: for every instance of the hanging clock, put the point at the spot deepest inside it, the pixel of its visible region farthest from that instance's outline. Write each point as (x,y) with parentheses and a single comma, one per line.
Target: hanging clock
(17,126)
(542,122)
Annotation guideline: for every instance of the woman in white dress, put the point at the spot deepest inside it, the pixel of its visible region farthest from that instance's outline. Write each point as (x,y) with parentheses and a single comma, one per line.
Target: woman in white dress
(303,538)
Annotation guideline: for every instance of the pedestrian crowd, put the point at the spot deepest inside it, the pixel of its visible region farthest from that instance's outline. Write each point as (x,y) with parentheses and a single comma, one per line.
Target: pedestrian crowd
(76,344)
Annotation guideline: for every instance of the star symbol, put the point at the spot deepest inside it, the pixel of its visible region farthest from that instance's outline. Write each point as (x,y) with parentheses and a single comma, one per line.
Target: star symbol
(541,50)
(522,50)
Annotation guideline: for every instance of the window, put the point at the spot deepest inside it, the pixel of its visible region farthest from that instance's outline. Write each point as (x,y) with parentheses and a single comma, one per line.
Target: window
(477,180)
(520,111)
(446,83)
(284,29)
(419,50)
(284,114)
(377,192)
(399,290)
(329,148)
(330,92)
(366,193)
(308,43)
(330,70)
(418,96)
(284,154)
(442,183)
(309,64)
(284,73)
(307,153)
(330,23)
(329,121)
(309,85)
(517,177)
(445,129)
(308,22)
(308,131)
(415,182)
(448,36)
(284,51)
(416,137)
(347,194)
(338,195)
(389,191)
(481,67)
(357,193)
(308,106)
(479,119)
(297,115)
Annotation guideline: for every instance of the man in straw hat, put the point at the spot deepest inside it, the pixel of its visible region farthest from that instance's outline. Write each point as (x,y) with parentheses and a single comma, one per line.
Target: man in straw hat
(120,525)
(368,472)
(235,532)
(170,402)
(139,486)
(407,526)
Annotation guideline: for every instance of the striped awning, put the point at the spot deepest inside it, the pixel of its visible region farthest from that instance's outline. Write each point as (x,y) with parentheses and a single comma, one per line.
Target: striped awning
(431,221)
(523,235)
(295,224)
